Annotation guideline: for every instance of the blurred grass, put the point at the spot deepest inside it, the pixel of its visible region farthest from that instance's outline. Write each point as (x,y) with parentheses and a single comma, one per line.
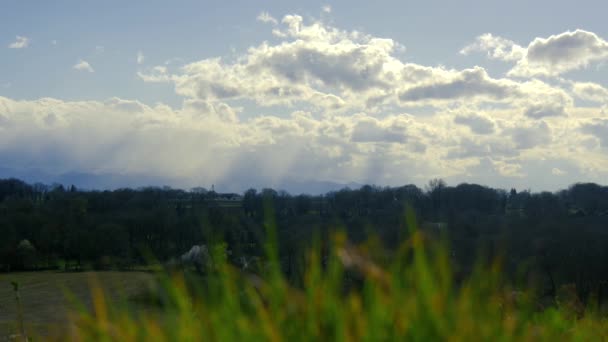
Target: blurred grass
(413,296)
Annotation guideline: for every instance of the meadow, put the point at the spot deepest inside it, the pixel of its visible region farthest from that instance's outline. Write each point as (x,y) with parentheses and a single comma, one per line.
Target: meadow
(352,294)
(48,297)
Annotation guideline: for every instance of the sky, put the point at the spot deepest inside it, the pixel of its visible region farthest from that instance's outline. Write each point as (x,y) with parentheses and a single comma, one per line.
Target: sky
(102,94)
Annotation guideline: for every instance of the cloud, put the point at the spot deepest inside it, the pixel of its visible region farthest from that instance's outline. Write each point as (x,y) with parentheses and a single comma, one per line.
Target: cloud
(83,65)
(199,143)
(326,9)
(316,102)
(316,64)
(205,142)
(598,128)
(372,130)
(561,53)
(321,67)
(590,91)
(468,83)
(265,17)
(19,43)
(530,135)
(478,124)
(551,56)
(539,111)
(140,57)
(496,48)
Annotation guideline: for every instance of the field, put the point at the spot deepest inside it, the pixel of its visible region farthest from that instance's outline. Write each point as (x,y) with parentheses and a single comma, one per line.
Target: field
(414,297)
(47,297)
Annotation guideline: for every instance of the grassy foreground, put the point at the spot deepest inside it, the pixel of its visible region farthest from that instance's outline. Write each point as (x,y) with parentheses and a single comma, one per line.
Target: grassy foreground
(48,297)
(346,293)
(412,297)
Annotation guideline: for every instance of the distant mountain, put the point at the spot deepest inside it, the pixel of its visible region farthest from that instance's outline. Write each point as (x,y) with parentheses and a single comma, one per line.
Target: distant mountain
(89,181)
(109,181)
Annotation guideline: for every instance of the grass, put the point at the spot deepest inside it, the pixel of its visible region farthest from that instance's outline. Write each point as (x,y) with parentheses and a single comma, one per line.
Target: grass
(348,293)
(412,297)
(48,297)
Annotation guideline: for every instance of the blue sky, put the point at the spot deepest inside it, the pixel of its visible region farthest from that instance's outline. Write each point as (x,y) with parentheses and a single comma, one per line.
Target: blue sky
(269,93)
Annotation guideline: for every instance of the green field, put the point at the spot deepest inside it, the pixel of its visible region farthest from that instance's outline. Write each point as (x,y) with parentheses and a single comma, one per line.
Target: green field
(47,297)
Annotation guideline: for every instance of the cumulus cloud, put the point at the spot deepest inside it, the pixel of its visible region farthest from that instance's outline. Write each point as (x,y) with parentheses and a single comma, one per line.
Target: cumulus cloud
(353,87)
(83,65)
(317,102)
(539,111)
(477,123)
(561,53)
(590,91)
(551,56)
(469,83)
(495,48)
(320,65)
(20,42)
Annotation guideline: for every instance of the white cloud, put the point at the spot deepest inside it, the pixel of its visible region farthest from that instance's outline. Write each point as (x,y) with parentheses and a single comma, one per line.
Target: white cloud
(200,143)
(265,17)
(328,68)
(140,57)
(317,64)
(83,65)
(590,91)
(496,48)
(561,53)
(322,67)
(206,142)
(345,107)
(19,43)
(326,9)
(551,56)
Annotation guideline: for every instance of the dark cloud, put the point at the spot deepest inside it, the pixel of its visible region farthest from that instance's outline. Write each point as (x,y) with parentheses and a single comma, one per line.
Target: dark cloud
(540,111)
(469,83)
